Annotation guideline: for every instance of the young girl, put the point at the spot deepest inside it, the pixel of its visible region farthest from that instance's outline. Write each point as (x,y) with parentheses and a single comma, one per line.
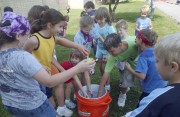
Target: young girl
(41,45)
(20,72)
(104,28)
(143,22)
(85,37)
(145,69)
(75,58)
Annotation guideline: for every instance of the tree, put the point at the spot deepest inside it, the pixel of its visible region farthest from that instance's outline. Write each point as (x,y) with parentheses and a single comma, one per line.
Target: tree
(112,10)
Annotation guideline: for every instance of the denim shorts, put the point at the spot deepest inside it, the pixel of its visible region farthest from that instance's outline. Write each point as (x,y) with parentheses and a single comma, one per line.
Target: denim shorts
(45,110)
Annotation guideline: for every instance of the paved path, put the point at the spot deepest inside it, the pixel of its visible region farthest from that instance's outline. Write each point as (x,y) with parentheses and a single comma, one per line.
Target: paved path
(171,10)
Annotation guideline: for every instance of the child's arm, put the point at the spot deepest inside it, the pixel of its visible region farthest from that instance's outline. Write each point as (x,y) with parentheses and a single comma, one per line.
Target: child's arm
(88,82)
(101,39)
(69,44)
(78,82)
(43,77)
(136,27)
(31,44)
(57,65)
(136,74)
(150,25)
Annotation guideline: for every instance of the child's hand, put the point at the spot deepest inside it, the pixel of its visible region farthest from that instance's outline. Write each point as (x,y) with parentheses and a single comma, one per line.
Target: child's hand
(128,66)
(89,93)
(85,66)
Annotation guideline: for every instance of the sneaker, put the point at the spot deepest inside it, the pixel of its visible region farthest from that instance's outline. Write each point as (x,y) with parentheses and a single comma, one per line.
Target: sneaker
(108,88)
(121,100)
(64,111)
(70,104)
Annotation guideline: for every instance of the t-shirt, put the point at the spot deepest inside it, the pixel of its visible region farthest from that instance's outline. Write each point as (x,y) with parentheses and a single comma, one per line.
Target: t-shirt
(17,87)
(146,65)
(162,102)
(129,55)
(143,23)
(67,65)
(104,32)
(80,39)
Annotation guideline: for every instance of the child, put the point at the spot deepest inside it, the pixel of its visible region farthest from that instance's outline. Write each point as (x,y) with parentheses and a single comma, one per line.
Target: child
(21,72)
(63,32)
(85,37)
(125,50)
(104,28)
(127,79)
(152,6)
(75,58)
(145,68)
(35,13)
(89,7)
(143,22)
(164,102)
(8,9)
(41,45)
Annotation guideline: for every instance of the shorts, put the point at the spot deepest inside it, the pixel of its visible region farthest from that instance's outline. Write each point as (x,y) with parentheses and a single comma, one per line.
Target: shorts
(45,110)
(127,79)
(101,53)
(49,92)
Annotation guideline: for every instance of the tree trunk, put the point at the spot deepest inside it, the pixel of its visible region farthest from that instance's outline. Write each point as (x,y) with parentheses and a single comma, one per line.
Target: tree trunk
(112,11)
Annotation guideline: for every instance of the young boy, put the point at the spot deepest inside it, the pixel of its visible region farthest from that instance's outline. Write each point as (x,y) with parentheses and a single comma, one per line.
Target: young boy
(143,22)
(164,102)
(125,50)
(89,7)
(145,69)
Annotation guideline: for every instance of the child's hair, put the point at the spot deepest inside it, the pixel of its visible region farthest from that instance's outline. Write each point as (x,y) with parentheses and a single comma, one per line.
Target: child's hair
(144,9)
(86,21)
(77,54)
(46,7)
(83,13)
(11,25)
(50,16)
(101,13)
(112,41)
(168,48)
(149,37)
(7,8)
(89,4)
(122,24)
(35,13)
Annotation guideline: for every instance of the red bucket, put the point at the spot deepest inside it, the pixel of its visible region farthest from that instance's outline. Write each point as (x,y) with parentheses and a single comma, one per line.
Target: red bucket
(93,107)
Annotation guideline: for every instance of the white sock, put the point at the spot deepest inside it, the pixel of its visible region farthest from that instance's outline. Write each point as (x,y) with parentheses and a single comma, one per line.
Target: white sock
(61,107)
(67,100)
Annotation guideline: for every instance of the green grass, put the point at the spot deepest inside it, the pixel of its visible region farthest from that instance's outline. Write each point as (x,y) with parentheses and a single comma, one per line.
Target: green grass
(162,24)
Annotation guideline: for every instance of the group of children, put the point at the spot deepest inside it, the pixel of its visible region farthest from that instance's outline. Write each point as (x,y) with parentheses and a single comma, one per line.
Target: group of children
(29,70)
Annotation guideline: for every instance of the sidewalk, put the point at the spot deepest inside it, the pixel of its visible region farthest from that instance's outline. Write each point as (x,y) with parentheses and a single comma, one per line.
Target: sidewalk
(171,10)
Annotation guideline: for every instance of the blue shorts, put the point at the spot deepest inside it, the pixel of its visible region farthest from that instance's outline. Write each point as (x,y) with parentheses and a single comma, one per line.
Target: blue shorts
(49,92)
(100,53)
(45,110)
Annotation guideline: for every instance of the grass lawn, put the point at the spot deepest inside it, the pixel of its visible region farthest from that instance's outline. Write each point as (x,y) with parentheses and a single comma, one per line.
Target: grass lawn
(128,11)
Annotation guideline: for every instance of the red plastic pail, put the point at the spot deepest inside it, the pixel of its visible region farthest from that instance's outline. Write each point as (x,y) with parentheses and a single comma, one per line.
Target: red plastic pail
(93,107)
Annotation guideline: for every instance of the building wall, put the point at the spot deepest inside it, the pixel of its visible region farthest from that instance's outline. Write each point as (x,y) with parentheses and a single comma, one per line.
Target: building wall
(23,6)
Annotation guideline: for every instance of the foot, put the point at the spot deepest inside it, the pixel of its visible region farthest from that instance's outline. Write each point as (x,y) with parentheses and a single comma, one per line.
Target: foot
(121,100)
(70,104)
(64,111)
